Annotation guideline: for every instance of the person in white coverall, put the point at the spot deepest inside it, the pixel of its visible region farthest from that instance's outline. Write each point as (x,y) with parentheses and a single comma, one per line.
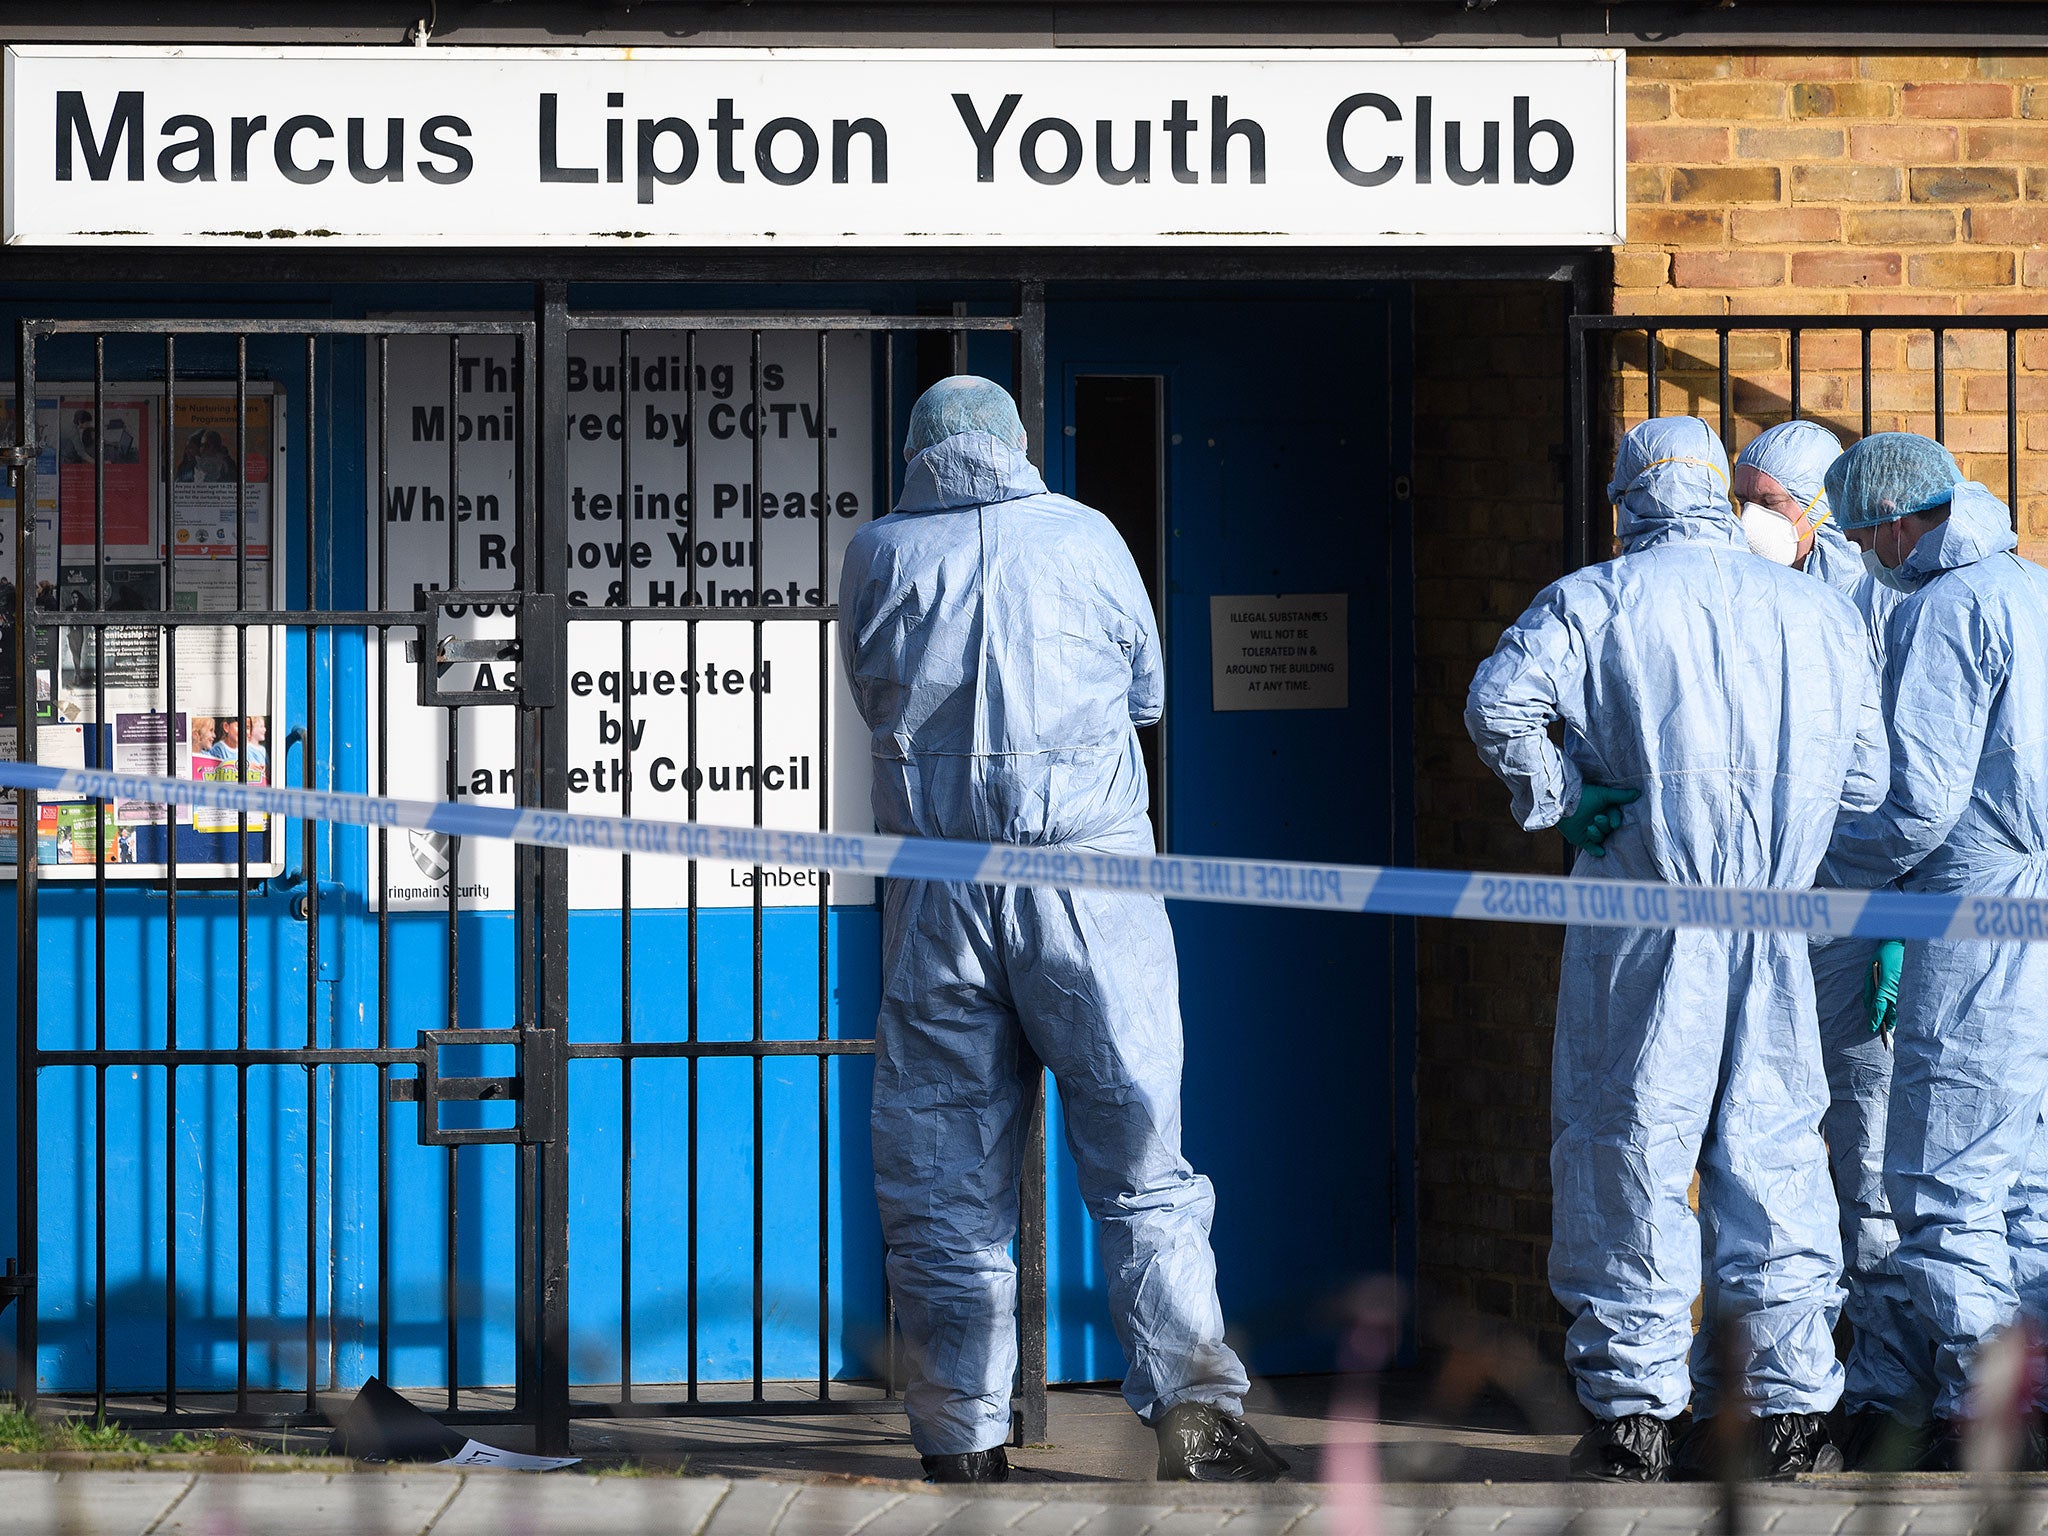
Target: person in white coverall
(1716,714)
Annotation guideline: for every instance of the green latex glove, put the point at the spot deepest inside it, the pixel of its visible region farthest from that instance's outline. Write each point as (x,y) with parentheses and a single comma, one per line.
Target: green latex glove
(1597,818)
(1881,986)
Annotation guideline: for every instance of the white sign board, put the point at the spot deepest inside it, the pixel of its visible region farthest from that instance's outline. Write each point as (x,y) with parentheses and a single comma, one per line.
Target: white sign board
(635,539)
(1280,652)
(814,146)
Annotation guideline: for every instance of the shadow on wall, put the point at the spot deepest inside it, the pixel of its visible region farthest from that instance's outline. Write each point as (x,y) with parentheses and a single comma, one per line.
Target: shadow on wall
(1489,535)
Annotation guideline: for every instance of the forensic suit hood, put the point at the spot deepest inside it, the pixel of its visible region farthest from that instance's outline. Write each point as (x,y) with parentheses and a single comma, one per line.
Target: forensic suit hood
(1797,454)
(1978,526)
(1671,482)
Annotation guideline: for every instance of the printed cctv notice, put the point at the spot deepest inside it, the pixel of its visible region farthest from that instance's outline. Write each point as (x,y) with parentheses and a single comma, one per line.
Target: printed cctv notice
(813,146)
(1280,652)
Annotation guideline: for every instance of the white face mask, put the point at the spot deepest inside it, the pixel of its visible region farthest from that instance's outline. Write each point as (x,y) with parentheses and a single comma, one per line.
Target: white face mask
(1769,535)
(1884,575)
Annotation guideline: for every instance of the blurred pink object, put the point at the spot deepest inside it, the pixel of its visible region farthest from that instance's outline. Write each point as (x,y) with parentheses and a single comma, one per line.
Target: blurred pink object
(1351,1455)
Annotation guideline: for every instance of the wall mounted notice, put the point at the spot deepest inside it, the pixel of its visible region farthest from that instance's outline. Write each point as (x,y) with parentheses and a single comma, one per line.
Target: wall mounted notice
(664,510)
(813,146)
(1280,652)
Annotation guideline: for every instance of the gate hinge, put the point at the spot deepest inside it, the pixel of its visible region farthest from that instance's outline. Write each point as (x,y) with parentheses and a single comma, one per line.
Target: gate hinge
(15,1283)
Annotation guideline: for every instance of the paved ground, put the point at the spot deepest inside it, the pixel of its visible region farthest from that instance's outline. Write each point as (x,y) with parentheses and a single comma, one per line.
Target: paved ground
(562,1504)
(1481,1471)
(1093,1437)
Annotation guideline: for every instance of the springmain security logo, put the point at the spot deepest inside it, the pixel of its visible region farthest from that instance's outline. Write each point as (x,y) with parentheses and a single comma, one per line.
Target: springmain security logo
(433,854)
(429,852)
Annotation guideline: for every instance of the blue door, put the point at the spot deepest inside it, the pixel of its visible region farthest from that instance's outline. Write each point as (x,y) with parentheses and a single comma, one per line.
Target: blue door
(1276,432)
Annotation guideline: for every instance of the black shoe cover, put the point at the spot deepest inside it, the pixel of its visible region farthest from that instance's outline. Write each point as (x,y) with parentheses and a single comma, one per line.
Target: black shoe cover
(1200,1443)
(1695,1458)
(1778,1445)
(1788,1444)
(2034,1444)
(1635,1449)
(974,1467)
(1944,1449)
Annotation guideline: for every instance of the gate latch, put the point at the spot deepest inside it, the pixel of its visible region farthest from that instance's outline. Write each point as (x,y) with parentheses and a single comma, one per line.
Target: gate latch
(531,1090)
(535,653)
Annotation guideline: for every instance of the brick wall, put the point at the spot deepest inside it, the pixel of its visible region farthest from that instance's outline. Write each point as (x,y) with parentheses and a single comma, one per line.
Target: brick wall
(1489,393)
(1846,185)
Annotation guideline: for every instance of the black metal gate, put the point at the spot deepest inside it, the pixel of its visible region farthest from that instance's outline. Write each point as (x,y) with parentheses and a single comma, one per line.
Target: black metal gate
(1969,381)
(191,562)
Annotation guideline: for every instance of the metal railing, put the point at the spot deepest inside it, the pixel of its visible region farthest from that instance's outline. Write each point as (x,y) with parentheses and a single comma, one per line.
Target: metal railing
(1969,381)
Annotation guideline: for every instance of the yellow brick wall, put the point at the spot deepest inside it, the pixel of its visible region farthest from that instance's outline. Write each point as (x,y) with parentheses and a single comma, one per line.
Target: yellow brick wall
(1848,185)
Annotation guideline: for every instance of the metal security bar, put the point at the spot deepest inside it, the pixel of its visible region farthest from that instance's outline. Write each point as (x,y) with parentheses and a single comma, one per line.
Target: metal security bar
(367,1152)
(834,345)
(1977,383)
(221,1332)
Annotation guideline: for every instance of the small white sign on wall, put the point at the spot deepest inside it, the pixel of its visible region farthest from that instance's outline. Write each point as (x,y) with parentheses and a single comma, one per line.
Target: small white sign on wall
(1284,652)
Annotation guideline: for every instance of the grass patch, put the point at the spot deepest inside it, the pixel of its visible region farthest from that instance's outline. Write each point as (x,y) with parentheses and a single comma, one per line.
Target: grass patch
(84,1435)
(19,1432)
(28,1434)
(211,1443)
(657,1466)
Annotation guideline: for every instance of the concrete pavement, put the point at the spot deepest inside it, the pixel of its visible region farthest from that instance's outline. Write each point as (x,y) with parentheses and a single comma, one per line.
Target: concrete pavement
(450,1503)
(1480,1471)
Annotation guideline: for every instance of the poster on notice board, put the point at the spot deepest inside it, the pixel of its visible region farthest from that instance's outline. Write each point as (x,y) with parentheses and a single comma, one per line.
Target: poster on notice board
(145,508)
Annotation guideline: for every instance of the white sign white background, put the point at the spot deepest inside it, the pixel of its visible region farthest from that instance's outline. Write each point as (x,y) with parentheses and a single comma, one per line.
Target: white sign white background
(1084,146)
(642,559)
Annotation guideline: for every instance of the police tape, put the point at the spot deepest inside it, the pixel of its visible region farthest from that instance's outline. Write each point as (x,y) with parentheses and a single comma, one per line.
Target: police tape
(1385,890)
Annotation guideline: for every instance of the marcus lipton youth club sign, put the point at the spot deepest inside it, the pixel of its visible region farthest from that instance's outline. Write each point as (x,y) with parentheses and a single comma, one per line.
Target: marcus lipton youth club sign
(812,146)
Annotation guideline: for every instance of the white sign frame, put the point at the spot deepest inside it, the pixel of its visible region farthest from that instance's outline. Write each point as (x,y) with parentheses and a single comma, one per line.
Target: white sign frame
(482,867)
(118,125)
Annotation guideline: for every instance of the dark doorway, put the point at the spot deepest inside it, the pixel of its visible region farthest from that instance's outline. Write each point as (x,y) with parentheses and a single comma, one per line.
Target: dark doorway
(1271,429)
(1119,469)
